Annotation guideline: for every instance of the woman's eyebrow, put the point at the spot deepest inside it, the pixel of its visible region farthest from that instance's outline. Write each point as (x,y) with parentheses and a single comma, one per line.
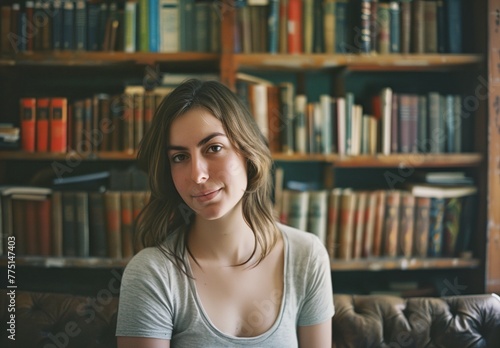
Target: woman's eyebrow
(200,143)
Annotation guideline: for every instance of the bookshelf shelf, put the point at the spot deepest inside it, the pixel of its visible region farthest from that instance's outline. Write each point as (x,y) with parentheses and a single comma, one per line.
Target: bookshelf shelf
(75,58)
(46,156)
(67,262)
(389,62)
(384,264)
(393,160)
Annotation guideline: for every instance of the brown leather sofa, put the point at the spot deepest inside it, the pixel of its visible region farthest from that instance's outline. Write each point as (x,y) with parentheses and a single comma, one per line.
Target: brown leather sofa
(58,320)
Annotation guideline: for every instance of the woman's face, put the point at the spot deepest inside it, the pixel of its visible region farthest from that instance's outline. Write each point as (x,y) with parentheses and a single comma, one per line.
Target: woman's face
(207,171)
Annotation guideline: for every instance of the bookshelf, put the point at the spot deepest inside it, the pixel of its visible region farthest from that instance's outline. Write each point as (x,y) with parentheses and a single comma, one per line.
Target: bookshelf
(110,69)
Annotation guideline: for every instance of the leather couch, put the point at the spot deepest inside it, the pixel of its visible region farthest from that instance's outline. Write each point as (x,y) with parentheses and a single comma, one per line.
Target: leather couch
(51,320)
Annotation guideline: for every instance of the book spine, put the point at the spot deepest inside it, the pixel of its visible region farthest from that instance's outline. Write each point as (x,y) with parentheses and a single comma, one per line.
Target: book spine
(273,26)
(112,203)
(5,28)
(346,230)
(317,214)
(423,134)
(28,122)
(169,26)
(406,25)
(126,224)
(385,30)
(97,225)
(454,25)
(42,124)
(406,228)
(395,27)
(300,124)
(58,124)
(341,14)
(451,225)
(430,27)
(298,209)
(68,39)
(365,43)
(283,26)
(153,27)
(329,26)
(295,35)
(82,224)
(28,25)
(333,221)
(421,230)
(69,224)
(144,25)
(287,93)
(436,227)
(81,25)
(57,224)
(391,223)
(44,227)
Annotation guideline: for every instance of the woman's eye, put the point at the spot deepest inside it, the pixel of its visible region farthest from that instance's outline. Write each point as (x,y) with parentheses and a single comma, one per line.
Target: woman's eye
(215,148)
(178,158)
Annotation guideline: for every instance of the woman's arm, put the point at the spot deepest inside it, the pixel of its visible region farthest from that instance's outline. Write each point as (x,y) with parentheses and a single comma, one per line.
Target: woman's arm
(133,342)
(316,336)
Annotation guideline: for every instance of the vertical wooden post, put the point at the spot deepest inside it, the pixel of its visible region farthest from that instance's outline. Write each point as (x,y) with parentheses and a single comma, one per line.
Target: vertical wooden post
(493,192)
(227,64)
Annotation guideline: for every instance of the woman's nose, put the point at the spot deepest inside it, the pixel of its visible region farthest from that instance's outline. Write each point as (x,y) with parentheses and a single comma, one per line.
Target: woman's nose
(199,170)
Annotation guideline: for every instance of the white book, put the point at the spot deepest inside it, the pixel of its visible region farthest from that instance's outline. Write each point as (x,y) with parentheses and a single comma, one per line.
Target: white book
(386,112)
(169,26)
(326,120)
(341,128)
(259,108)
(300,124)
(318,213)
(298,205)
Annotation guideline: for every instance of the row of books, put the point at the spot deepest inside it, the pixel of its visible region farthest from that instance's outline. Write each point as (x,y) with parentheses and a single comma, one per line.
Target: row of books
(421,221)
(130,26)
(71,223)
(342,26)
(396,123)
(103,122)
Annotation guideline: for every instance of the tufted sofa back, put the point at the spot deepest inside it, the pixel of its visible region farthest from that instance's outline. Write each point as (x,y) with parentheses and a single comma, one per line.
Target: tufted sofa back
(386,321)
(46,320)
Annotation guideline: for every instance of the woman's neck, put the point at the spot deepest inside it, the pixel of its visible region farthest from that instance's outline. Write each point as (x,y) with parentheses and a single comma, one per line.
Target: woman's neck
(225,242)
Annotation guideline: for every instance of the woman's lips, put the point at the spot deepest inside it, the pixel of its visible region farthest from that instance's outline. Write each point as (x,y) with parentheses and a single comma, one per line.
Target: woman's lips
(206,196)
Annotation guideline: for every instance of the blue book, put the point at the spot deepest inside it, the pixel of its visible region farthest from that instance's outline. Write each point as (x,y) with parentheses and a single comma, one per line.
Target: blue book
(273,26)
(154,27)
(202,26)
(68,39)
(341,26)
(454,25)
(93,14)
(436,216)
(349,104)
(441,27)
(81,25)
(394,27)
(57,24)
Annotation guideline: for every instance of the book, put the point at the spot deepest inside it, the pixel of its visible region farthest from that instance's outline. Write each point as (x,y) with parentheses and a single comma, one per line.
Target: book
(58,124)
(406,225)
(451,225)
(391,223)
(436,215)
(318,214)
(348,203)
(42,124)
(112,203)
(28,124)
(440,191)
(97,225)
(82,223)
(297,209)
(421,229)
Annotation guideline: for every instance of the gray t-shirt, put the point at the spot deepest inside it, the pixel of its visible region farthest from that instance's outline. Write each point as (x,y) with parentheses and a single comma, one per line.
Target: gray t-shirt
(158,301)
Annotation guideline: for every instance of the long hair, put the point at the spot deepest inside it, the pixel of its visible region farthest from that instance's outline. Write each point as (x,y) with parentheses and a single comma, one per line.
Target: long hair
(166,214)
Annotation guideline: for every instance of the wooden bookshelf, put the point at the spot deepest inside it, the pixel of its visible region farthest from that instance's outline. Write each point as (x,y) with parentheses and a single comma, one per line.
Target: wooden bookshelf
(45,156)
(83,58)
(403,264)
(66,262)
(389,62)
(394,160)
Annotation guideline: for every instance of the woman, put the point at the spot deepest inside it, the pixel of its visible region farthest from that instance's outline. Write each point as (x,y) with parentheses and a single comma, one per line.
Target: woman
(217,270)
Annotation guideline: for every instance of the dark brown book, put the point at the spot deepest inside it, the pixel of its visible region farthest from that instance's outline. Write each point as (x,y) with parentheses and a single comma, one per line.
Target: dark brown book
(274,118)
(421,230)
(82,224)
(19,221)
(116,134)
(138,117)
(44,226)
(149,109)
(31,227)
(57,224)
(112,203)
(333,223)
(418,27)
(406,25)
(406,225)
(370,221)
(359,224)
(98,245)
(5,28)
(69,223)
(76,131)
(378,231)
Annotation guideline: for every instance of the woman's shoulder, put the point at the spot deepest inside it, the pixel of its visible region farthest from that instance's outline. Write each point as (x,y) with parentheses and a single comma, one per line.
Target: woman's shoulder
(299,239)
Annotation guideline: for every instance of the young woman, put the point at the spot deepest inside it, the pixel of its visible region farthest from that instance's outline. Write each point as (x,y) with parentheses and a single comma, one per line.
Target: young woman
(217,270)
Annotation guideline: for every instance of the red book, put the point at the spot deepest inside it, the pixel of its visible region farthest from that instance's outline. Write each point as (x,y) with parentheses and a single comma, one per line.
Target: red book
(58,124)
(295,26)
(28,116)
(42,124)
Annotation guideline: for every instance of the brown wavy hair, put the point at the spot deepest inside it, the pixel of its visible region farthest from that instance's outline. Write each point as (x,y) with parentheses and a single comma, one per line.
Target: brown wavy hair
(166,214)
